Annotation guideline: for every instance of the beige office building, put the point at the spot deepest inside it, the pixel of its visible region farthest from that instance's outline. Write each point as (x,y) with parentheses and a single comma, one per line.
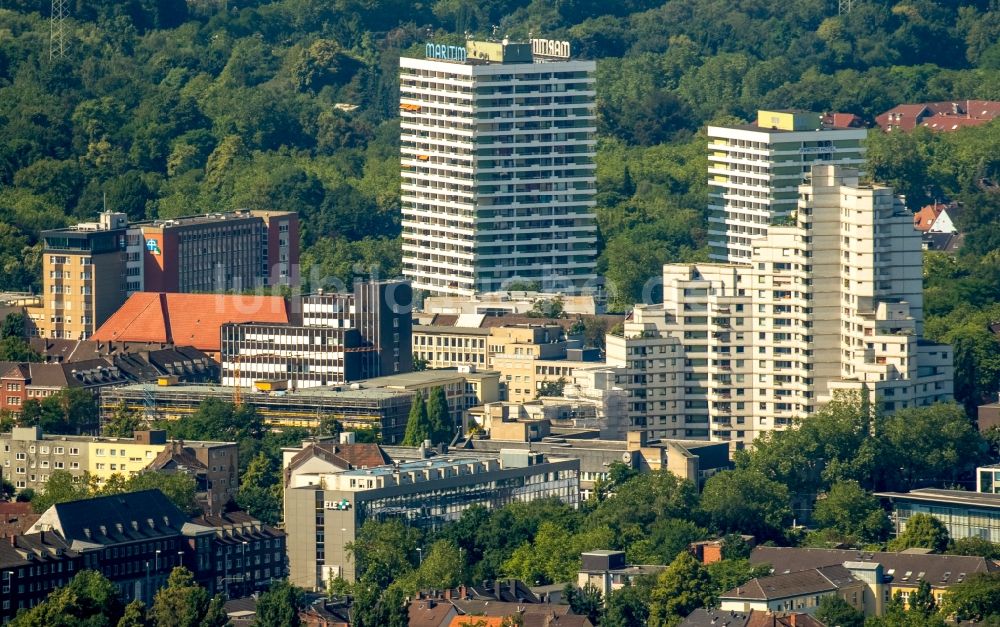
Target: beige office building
(325,503)
(527,356)
(84,272)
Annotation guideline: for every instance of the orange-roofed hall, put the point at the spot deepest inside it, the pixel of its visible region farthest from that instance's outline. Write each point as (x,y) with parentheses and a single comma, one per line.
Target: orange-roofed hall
(187,319)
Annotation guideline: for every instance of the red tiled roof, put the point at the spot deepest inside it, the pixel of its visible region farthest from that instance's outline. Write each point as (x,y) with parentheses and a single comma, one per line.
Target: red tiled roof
(842,120)
(15,508)
(940,116)
(345,456)
(478,621)
(429,612)
(187,319)
(768,619)
(924,219)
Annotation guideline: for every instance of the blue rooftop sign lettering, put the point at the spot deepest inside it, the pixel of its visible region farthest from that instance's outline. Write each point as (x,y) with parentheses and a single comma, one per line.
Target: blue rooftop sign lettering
(445,53)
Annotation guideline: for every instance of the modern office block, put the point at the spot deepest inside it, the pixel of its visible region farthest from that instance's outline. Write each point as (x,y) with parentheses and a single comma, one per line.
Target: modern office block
(341,337)
(83,276)
(325,504)
(219,252)
(497,156)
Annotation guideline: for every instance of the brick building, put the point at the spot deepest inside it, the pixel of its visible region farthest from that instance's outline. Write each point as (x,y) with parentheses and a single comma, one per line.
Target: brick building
(246,554)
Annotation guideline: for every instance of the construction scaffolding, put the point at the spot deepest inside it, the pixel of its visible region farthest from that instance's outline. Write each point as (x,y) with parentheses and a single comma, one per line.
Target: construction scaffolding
(385,410)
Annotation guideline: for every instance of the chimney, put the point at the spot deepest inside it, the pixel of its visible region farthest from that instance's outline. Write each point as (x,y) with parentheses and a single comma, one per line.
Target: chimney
(496,589)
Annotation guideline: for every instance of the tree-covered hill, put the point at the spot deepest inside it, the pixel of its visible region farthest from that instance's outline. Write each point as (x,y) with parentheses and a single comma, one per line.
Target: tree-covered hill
(164,107)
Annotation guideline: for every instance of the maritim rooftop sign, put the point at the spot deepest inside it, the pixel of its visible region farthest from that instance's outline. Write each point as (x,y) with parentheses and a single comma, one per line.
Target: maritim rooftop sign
(445,53)
(550,48)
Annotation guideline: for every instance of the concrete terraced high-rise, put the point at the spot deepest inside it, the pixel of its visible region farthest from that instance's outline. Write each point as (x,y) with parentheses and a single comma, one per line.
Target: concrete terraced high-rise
(497,156)
(829,303)
(754,172)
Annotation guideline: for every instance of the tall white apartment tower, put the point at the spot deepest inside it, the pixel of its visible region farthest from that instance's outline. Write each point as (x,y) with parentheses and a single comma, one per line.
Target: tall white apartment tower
(754,172)
(497,155)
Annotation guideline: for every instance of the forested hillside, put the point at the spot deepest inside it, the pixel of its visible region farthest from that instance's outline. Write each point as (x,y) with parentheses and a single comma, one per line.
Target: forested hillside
(162,108)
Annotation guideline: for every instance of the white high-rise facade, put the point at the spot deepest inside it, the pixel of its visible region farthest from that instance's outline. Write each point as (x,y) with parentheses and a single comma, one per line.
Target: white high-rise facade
(830,303)
(497,156)
(755,172)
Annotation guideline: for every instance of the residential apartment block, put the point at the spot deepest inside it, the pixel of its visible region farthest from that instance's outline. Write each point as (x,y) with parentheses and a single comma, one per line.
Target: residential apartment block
(89,269)
(884,575)
(830,303)
(497,156)
(755,171)
(29,457)
(326,503)
(333,339)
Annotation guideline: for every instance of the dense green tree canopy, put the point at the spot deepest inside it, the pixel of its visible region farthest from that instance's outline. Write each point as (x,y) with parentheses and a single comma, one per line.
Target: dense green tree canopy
(833,610)
(279,606)
(746,501)
(852,512)
(89,600)
(976,598)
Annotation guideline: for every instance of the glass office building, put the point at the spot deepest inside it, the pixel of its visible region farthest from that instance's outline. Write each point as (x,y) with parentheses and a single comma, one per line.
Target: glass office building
(965,514)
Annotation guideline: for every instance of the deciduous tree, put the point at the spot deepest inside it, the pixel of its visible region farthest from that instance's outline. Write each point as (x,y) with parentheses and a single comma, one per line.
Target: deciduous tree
(833,610)
(852,512)
(89,599)
(744,501)
(680,589)
(279,606)
(977,598)
(922,531)
(183,603)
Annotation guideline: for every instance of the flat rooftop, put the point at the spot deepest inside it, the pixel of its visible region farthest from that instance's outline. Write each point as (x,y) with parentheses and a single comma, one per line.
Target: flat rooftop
(205,218)
(340,392)
(557,442)
(433,462)
(778,131)
(420,378)
(952,497)
(55,437)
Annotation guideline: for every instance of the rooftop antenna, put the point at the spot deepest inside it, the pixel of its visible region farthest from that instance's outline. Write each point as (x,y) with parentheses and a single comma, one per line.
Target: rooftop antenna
(57,29)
